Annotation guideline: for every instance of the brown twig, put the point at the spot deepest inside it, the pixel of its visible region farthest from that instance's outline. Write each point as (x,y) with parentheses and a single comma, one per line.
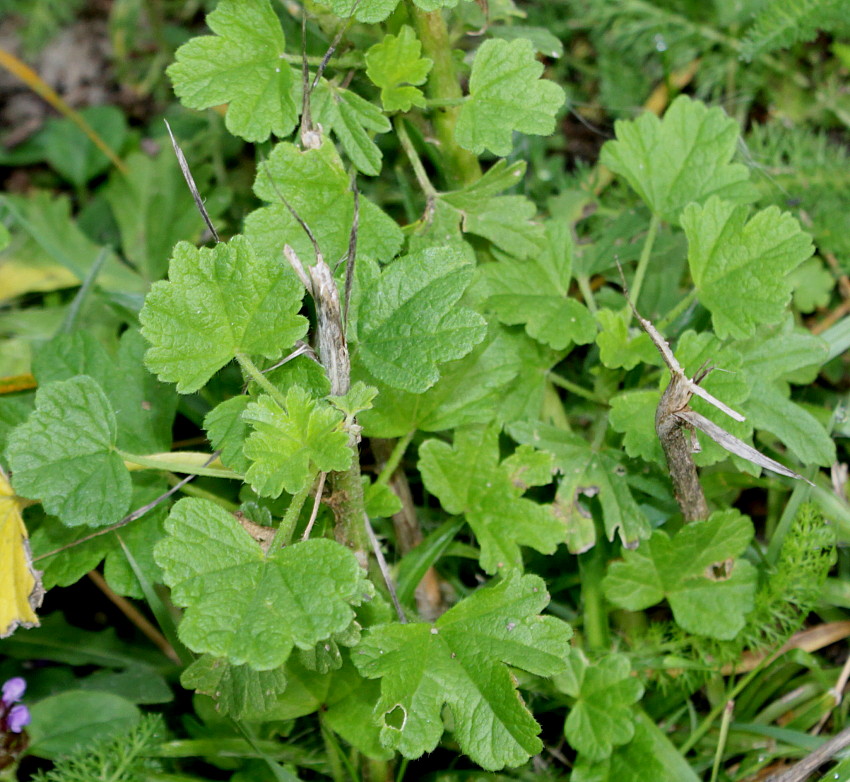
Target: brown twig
(136,617)
(812,761)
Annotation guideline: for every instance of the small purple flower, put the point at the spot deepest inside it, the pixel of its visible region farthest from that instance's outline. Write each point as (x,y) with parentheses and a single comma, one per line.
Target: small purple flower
(18,718)
(13,690)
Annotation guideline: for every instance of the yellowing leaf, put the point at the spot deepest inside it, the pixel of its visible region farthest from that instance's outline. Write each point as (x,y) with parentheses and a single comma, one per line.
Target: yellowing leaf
(20,585)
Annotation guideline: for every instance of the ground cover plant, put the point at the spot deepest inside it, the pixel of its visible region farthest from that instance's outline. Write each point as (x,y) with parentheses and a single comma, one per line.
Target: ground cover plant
(429,389)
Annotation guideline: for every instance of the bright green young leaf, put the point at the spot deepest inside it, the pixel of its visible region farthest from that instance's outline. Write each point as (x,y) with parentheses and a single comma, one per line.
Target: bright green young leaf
(812,284)
(65,456)
(409,320)
(381,501)
(144,408)
(468,478)
(317,186)
(506,94)
(238,690)
(708,588)
(242,65)
(586,470)
(461,661)
(535,293)
(740,267)
(649,755)
(620,347)
(288,447)
(351,118)
(249,607)
(682,158)
(505,220)
(602,716)
(396,67)
(769,408)
(360,397)
(154,209)
(227,431)
(369,11)
(468,392)
(216,304)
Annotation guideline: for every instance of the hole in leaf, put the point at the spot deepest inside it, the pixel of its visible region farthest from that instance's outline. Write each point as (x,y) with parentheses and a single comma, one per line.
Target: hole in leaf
(396,718)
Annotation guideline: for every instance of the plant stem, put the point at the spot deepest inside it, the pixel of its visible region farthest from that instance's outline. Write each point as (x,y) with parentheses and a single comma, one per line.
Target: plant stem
(677,310)
(586,293)
(728,710)
(643,263)
(394,458)
(349,507)
(415,163)
(185,462)
(573,388)
(287,524)
(460,166)
(260,379)
(592,569)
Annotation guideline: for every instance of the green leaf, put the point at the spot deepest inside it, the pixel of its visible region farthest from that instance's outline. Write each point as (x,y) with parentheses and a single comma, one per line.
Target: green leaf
(740,267)
(621,347)
(506,221)
(65,456)
(144,408)
(242,65)
(469,479)
(218,303)
(288,447)
(409,321)
(238,690)
(649,755)
(360,397)
(317,186)
(682,158)
(461,661)
(227,430)
(535,293)
(251,607)
(785,353)
(62,723)
(369,11)
(381,501)
(395,66)
(73,154)
(587,470)
(468,392)
(813,285)
(152,189)
(602,716)
(351,118)
(769,408)
(709,590)
(506,94)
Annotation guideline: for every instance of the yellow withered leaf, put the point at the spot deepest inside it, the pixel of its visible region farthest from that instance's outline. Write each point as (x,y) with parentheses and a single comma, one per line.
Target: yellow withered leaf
(21,591)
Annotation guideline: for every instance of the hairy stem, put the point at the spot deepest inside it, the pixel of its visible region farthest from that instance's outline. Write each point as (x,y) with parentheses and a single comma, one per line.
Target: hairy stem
(253,372)
(643,262)
(287,524)
(592,568)
(460,166)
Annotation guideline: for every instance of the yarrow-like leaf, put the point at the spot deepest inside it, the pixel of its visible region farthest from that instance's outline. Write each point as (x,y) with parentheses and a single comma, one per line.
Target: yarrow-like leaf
(219,303)
(247,606)
(461,661)
(242,65)
(506,94)
(469,479)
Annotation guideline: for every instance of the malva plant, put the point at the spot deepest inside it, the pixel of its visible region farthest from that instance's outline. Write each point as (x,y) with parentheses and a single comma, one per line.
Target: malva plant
(480,367)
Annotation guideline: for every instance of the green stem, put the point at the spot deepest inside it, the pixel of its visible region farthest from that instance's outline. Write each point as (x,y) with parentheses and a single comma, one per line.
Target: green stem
(586,292)
(191,490)
(461,166)
(574,388)
(350,508)
(251,369)
(415,163)
(171,462)
(677,310)
(643,263)
(592,569)
(394,458)
(287,524)
(721,742)
(441,103)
